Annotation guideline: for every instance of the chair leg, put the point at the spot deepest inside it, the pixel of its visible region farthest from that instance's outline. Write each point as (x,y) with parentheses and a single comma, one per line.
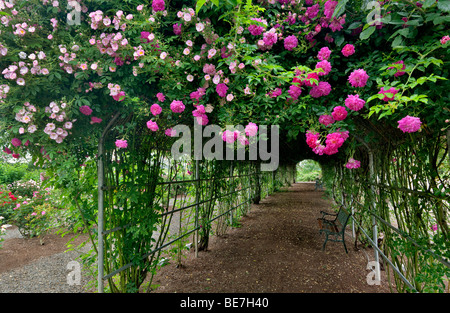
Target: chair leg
(343,241)
(324,244)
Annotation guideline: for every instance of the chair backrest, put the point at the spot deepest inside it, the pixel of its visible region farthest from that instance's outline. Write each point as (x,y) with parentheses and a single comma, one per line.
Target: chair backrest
(342,219)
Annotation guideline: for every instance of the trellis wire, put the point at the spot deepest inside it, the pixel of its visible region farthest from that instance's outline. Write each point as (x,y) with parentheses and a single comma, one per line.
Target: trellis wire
(385,257)
(401,233)
(196,204)
(180,237)
(407,237)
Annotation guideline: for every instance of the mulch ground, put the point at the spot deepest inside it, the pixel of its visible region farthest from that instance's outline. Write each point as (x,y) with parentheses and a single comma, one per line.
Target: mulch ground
(277,249)
(17,252)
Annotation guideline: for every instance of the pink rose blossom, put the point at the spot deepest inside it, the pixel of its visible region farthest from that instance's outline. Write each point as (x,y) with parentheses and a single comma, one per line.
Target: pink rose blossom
(155,109)
(177,106)
(445,39)
(177,29)
(230,136)
(158,5)
(348,50)
(222,89)
(243,140)
(202,119)
(409,124)
(358,78)
(324,54)
(86,110)
(329,8)
(96,120)
(339,113)
(336,23)
(270,37)
(122,144)
(325,66)
(333,142)
(323,89)
(251,129)
(294,92)
(152,126)
(170,132)
(16,142)
(353,102)
(160,97)
(209,69)
(290,42)
(199,111)
(256,30)
(7,150)
(275,93)
(312,11)
(312,139)
(120,96)
(352,164)
(326,120)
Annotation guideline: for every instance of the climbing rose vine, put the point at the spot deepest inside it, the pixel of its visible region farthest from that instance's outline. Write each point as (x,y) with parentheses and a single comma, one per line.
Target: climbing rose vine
(307,66)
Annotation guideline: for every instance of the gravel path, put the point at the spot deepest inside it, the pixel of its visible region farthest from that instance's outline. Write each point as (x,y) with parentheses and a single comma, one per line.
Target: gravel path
(46,275)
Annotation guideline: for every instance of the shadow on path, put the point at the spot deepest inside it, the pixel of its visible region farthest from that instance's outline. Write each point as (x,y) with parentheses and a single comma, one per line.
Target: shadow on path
(278,249)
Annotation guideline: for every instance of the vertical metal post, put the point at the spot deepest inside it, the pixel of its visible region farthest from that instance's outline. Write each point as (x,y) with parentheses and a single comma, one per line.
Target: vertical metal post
(353,220)
(231,189)
(100,173)
(100,215)
(374,221)
(197,200)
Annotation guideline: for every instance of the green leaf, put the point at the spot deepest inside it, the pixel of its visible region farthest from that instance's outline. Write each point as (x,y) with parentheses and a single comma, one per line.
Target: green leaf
(385,113)
(414,22)
(441,19)
(422,80)
(354,25)
(199,5)
(404,32)
(372,98)
(444,5)
(367,33)
(340,40)
(432,16)
(340,8)
(428,3)
(398,41)
(215,2)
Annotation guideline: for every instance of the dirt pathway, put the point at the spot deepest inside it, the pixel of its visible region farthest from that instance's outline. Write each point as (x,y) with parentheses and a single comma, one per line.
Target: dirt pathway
(277,249)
